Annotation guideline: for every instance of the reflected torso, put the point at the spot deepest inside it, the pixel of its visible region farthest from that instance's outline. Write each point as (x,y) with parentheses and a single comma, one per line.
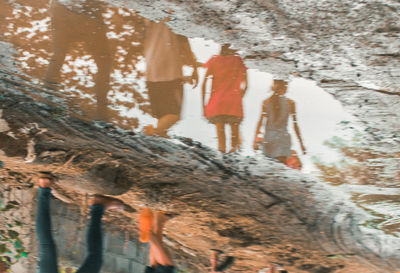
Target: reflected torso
(276,137)
(162,53)
(226,97)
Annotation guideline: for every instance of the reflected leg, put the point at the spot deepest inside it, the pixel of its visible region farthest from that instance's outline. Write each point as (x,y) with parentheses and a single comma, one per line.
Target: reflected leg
(158,253)
(47,248)
(281,159)
(60,48)
(221,136)
(166,122)
(213,261)
(94,242)
(101,54)
(235,143)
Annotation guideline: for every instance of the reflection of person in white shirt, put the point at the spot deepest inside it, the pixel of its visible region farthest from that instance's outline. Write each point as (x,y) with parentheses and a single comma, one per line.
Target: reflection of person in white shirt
(166,53)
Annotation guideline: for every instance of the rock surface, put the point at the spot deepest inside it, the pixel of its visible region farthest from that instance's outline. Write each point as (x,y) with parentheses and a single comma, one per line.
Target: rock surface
(350,48)
(258,212)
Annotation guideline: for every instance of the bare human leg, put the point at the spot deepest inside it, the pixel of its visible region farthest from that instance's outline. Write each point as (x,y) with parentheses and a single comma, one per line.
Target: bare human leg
(235,143)
(61,42)
(166,122)
(99,48)
(221,136)
(158,253)
(60,48)
(281,159)
(214,259)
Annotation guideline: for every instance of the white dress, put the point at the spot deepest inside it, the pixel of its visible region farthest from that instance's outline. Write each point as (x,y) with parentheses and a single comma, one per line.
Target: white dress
(276,140)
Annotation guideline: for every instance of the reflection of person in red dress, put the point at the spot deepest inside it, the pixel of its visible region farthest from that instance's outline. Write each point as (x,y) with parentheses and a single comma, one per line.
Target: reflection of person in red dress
(229,84)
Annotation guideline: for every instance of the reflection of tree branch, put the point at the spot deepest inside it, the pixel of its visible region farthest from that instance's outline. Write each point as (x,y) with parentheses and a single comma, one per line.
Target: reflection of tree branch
(361,166)
(126,51)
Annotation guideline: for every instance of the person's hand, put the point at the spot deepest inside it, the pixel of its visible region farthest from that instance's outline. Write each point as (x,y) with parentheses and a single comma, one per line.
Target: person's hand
(195,78)
(166,19)
(244,90)
(273,269)
(303,149)
(255,146)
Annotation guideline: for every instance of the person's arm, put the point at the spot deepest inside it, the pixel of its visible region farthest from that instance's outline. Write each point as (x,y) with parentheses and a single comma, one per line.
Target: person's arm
(203,88)
(296,127)
(260,122)
(142,36)
(195,73)
(189,58)
(213,261)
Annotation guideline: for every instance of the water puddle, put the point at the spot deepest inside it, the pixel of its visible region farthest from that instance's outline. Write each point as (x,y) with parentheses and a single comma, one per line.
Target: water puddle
(98,65)
(110,64)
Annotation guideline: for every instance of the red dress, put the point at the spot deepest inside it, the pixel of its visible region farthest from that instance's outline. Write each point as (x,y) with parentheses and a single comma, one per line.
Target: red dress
(225,103)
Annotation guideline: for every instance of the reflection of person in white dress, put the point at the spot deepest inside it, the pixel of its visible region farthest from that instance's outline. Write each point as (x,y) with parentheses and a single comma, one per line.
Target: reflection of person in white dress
(277,109)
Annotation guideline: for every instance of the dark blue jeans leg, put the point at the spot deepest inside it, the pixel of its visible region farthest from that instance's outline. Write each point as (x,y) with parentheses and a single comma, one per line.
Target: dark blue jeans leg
(47,248)
(94,242)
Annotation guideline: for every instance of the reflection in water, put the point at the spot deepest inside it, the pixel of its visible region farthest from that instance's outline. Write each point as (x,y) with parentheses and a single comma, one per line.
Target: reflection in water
(385,209)
(139,69)
(361,166)
(227,72)
(85,25)
(276,142)
(166,53)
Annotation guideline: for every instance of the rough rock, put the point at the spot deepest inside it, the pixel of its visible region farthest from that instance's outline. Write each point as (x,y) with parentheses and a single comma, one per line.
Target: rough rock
(258,212)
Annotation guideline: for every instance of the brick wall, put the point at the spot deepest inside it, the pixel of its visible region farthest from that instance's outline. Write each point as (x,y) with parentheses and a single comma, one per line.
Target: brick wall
(121,254)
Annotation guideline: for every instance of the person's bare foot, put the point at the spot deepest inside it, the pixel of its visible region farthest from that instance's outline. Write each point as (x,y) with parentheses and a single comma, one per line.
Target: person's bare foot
(45,183)
(275,268)
(52,85)
(149,130)
(159,220)
(46,179)
(109,203)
